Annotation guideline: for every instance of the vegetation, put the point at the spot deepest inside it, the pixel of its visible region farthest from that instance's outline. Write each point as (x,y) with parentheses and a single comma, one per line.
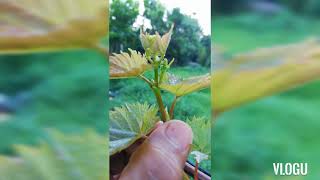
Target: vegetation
(61,157)
(187,56)
(124,35)
(123,89)
(255,31)
(279,128)
(306,8)
(51,68)
(46,83)
(71,85)
(133,121)
(122,16)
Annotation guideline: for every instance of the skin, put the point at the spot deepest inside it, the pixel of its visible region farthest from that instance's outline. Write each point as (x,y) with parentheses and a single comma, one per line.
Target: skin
(160,156)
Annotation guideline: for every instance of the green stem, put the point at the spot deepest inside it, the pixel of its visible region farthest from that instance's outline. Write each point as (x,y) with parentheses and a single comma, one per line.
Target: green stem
(156,76)
(171,112)
(162,110)
(157,93)
(146,80)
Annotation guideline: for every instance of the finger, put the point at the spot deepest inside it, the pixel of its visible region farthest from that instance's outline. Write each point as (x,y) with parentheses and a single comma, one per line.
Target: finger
(162,155)
(131,149)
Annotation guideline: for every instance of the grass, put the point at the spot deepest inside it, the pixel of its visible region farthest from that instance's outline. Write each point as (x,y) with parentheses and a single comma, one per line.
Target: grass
(280,128)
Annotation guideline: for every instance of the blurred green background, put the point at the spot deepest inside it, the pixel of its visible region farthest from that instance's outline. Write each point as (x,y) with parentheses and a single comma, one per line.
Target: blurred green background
(61,91)
(280,128)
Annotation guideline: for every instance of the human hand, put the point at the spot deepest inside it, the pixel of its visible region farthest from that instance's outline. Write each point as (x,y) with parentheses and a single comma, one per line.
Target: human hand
(161,156)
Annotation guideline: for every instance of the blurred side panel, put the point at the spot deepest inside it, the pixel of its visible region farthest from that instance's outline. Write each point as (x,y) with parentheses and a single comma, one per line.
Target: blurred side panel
(266,71)
(53,89)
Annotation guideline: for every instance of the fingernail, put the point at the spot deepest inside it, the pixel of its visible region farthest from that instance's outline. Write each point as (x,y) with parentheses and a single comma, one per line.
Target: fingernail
(180,135)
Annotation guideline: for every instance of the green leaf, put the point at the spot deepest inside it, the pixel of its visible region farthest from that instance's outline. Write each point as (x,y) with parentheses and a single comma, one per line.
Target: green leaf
(62,157)
(126,65)
(201,134)
(181,87)
(129,123)
(263,72)
(50,25)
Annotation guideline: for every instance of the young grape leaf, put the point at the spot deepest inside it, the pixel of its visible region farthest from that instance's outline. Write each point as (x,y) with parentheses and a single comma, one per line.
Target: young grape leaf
(129,123)
(155,43)
(263,72)
(181,87)
(61,157)
(48,25)
(201,134)
(126,65)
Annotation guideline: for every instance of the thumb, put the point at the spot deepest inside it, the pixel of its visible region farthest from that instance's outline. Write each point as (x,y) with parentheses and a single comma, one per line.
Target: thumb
(163,155)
